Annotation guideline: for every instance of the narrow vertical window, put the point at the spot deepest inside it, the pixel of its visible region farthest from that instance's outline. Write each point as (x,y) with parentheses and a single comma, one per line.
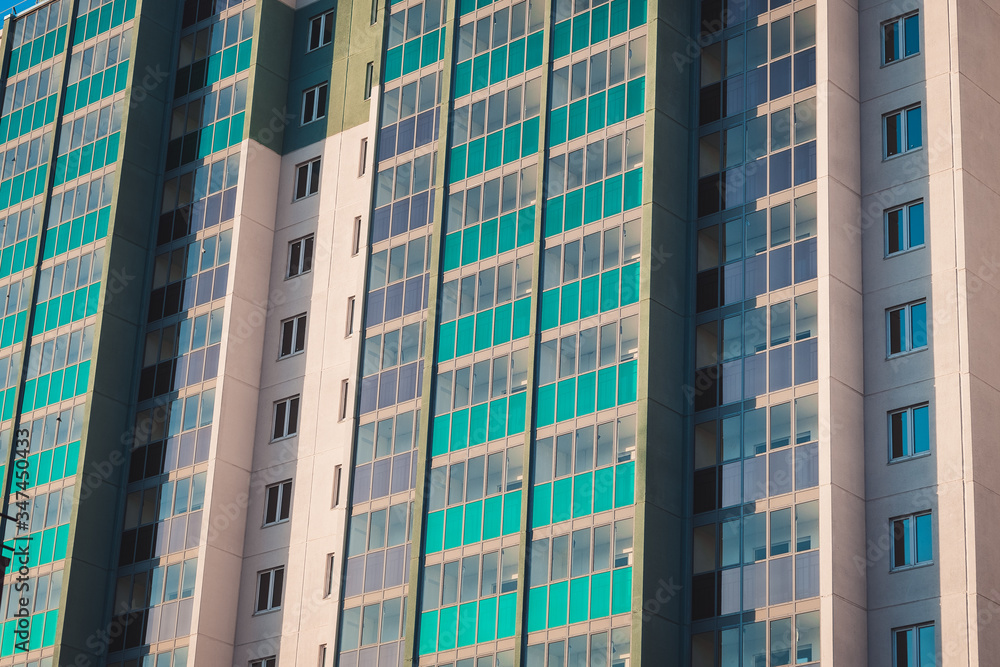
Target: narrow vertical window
(356,240)
(369,76)
(350,316)
(322,655)
(343,399)
(328,588)
(363,158)
(336,486)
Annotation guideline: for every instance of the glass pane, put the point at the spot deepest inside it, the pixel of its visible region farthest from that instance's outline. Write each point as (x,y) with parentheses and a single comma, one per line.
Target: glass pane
(894,232)
(924,539)
(911,30)
(928,656)
(901,543)
(918,322)
(893,134)
(890,42)
(807,526)
(913,129)
(921,429)
(781,642)
(916,224)
(898,444)
(807,637)
(781,531)
(897,321)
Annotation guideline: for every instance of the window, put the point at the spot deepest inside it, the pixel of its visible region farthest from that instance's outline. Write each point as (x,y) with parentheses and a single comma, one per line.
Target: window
(328,589)
(369,76)
(350,316)
(904,228)
(914,646)
(293,336)
(320,31)
(909,432)
(314,103)
(300,256)
(902,131)
(269,586)
(906,327)
(343,400)
(307,179)
(286,418)
(322,655)
(279,502)
(900,38)
(356,241)
(912,537)
(363,159)
(264,662)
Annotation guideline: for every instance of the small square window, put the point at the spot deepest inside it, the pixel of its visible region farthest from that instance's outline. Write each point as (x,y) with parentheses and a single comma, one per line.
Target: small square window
(293,336)
(270,584)
(914,646)
(314,103)
(902,130)
(909,432)
(286,418)
(900,38)
(906,328)
(912,541)
(320,31)
(307,179)
(278,502)
(904,228)
(300,253)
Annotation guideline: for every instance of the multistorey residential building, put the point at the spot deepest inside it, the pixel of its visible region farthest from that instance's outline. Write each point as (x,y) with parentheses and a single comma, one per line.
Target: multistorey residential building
(566,333)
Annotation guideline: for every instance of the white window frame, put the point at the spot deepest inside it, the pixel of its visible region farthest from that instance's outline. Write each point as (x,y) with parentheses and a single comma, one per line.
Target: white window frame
(280,507)
(907,329)
(913,644)
(904,211)
(900,21)
(903,122)
(271,605)
(286,431)
(911,519)
(316,109)
(312,169)
(908,445)
(270,661)
(297,326)
(307,245)
(322,20)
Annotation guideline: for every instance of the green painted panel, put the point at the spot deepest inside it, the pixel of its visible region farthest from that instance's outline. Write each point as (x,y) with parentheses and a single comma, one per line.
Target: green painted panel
(506,615)
(512,513)
(625,484)
(453,527)
(487,630)
(621,590)
(473,523)
(600,595)
(579,599)
(562,494)
(558,603)
(541,506)
(467,624)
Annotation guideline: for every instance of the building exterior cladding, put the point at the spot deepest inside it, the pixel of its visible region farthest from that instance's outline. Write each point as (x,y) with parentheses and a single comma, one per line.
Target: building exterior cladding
(471,333)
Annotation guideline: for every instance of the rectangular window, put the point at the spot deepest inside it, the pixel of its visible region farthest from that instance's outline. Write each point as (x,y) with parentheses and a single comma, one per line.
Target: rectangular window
(903,131)
(269,588)
(912,540)
(320,31)
(314,103)
(909,432)
(328,588)
(336,486)
(343,400)
(914,646)
(279,502)
(363,158)
(906,328)
(374,18)
(350,316)
(264,662)
(307,179)
(293,336)
(900,38)
(322,655)
(300,254)
(369,77)
(356,241)
(286,418)
(904,228)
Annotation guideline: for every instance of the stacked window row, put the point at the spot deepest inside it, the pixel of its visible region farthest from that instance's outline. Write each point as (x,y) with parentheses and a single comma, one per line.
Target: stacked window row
(99,16)
(78,216)
(416,39)
(366,627)
(68,291)
(207,124)
(736,262)
(792,464)
(162,519)
(196,11)
(188,353)
(597,92)
(488,133)
(55,444)
(404,197)
(157,605)
(199,199)
(574,477)
(32,104)
(580,24)
(35,26)
(24,170)
(385,462)
(580,576)
(88,143)
(98,71)
(191,275)
(486,402)
(378,549)
(391,365)
(785,641)
(779,554)
(410,116)
(582,650)
(594,369)
(16,297)
(398,281)
(48,529)
(59,369)
(503,45)
(216,52)
(163,444)
(18,238)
